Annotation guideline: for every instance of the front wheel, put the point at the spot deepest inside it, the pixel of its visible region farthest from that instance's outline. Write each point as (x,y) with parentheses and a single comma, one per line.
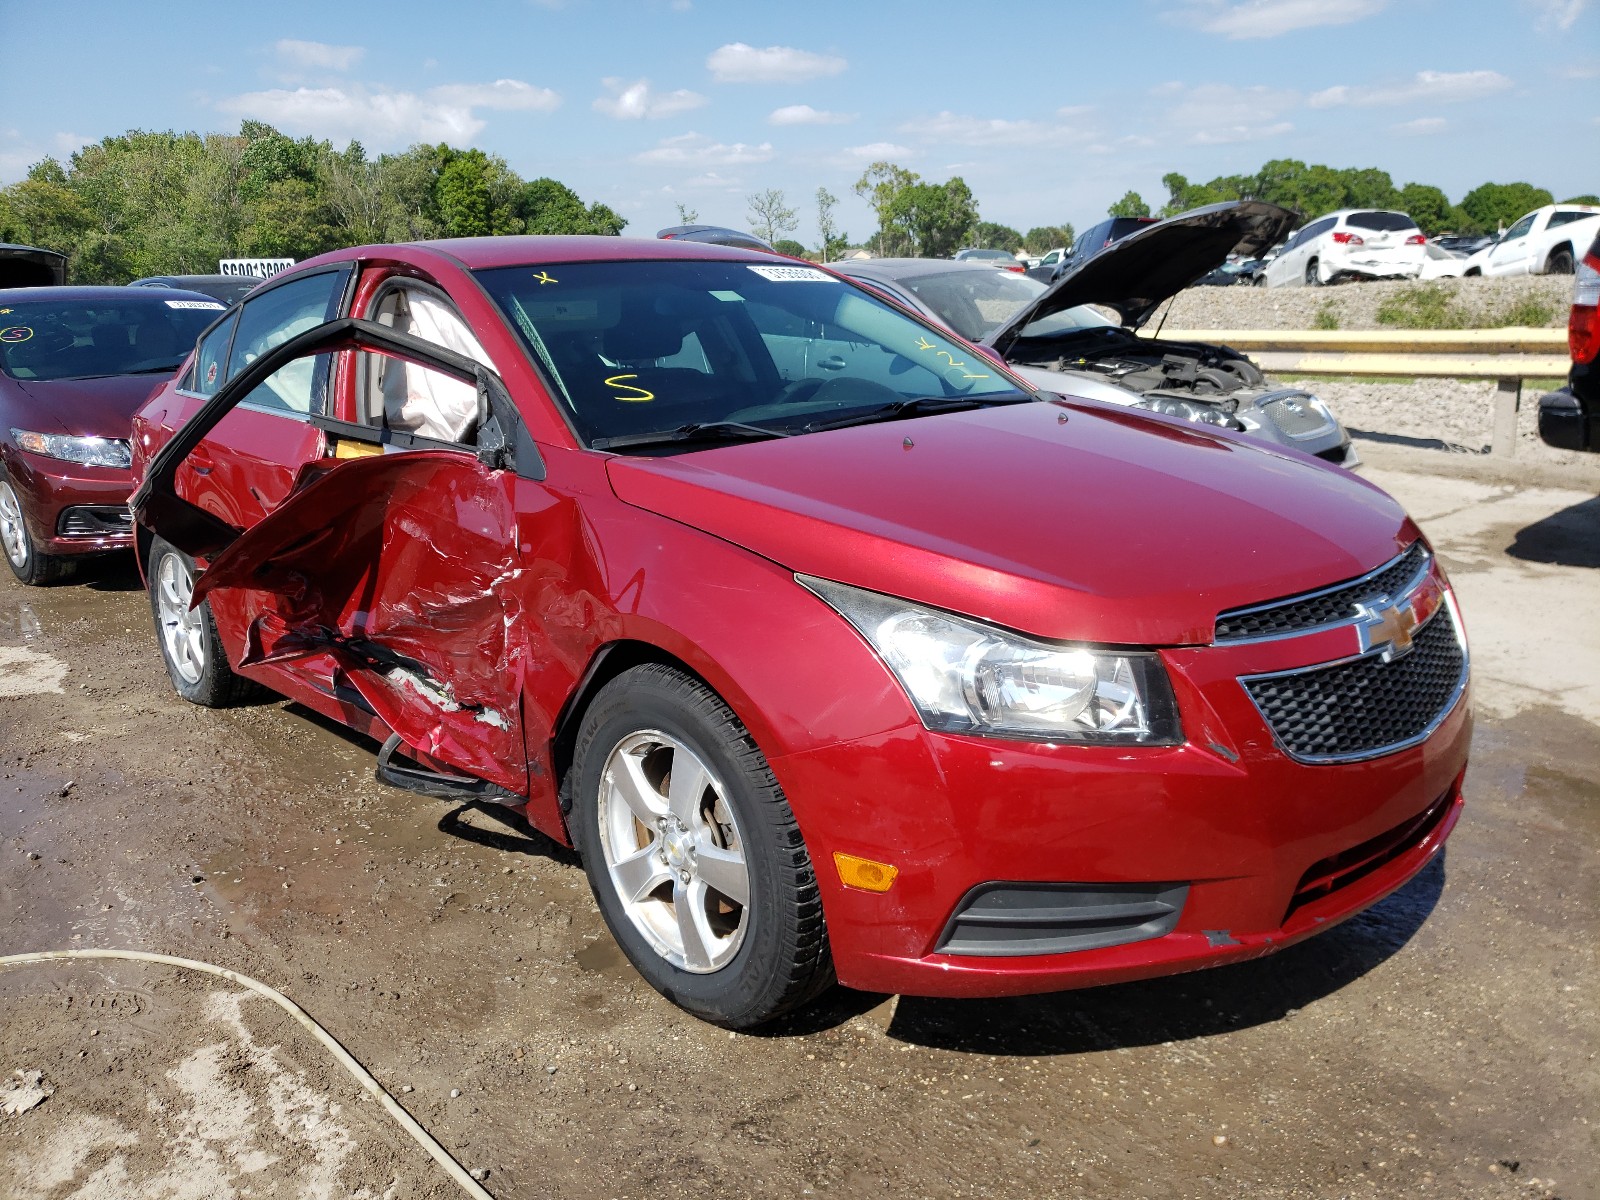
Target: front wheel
(190,647)
(24,559)
(692,852)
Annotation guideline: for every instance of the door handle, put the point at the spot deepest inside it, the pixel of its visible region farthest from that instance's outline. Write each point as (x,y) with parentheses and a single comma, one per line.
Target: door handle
(832,363)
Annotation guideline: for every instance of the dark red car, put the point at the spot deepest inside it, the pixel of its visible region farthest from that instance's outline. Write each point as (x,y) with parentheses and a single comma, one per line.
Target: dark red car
(74,364)
(835,650)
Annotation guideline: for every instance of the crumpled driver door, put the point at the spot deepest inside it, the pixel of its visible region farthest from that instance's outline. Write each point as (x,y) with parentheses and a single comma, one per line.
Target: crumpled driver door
(400,563)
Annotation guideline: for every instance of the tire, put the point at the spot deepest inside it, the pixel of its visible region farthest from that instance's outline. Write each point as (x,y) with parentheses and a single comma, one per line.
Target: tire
(648,850)
(16,544)
(1260,280)
(1313,278)
(195,660)
(1560,261)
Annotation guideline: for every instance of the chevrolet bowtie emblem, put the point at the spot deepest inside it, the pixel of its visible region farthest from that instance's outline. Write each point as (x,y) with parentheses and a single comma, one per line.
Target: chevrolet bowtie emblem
(1387,628)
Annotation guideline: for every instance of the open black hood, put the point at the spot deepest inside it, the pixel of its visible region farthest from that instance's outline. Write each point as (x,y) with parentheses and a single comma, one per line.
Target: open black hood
(1134,275)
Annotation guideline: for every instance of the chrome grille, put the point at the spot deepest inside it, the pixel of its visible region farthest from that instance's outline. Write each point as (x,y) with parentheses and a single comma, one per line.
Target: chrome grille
(1365,707)
(1328,606)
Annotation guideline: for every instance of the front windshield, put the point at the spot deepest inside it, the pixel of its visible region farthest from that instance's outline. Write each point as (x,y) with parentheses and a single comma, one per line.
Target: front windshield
(976,303)
(78,339)
(638,347)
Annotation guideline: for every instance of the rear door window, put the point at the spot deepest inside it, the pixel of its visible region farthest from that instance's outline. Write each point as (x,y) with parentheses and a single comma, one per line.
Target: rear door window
(211,359)
(271,319)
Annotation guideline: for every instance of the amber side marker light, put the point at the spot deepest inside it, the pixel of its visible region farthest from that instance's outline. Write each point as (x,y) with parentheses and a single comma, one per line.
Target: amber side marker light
(863,873)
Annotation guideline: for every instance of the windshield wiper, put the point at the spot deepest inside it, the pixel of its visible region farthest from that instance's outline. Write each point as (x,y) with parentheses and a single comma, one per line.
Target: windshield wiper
(921,406)
(695,431)
(114,374)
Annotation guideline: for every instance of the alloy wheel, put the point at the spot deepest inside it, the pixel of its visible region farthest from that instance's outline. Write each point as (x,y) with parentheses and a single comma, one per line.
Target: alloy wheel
(183,633)
(673,851)
(13,533)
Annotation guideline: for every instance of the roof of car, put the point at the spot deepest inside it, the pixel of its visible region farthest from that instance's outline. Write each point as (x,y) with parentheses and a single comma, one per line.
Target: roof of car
(478,253)
(87,292)
(909,268)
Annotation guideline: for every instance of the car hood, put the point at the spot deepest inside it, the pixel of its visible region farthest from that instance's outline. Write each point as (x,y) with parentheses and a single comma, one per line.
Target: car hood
(85,407)
(1135,274)
(1070,521)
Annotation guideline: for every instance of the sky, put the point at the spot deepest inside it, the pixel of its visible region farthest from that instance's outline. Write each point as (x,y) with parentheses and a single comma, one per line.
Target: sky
(1049,110)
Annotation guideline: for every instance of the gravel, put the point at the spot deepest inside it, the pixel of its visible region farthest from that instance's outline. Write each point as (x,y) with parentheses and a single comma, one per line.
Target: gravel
(1354,304)
(1448,414)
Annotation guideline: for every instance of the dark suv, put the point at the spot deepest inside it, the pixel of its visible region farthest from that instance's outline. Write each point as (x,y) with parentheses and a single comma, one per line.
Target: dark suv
(1569,419)
(1095,239)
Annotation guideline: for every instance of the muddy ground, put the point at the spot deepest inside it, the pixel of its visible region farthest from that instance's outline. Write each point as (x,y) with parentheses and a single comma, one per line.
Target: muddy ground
(1443,1045)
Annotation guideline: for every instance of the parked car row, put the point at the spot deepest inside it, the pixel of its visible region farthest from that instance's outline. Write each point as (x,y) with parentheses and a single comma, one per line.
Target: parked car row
(838,650)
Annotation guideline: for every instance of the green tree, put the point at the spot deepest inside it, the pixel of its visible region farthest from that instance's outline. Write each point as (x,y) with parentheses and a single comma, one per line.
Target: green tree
(834,240)
(935,217)
(548,206)
(1494,205)
(790,247)
(687,215)
(990,236)
(1429,207)
(770,217)
(1584,199)
(1044,238)
(1131,205)
(880,186)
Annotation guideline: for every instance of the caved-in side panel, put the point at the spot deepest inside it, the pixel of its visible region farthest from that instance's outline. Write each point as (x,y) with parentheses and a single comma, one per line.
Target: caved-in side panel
(404,568)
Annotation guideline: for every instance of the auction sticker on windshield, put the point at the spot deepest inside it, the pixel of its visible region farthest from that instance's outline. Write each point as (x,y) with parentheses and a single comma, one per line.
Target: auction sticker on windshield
(196,304)
(794,274)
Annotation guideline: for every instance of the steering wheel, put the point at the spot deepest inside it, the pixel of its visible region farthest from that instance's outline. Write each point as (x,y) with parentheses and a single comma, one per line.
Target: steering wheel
(798,391)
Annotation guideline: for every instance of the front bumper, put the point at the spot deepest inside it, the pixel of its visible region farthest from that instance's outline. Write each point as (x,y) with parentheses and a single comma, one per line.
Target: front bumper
(1270,850)
(71,509)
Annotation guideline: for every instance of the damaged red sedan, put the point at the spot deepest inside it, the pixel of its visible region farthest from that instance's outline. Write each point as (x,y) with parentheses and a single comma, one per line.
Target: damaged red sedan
(836,650)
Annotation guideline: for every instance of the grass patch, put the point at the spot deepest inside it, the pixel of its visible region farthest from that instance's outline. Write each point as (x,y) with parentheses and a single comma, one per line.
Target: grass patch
(1326,316)
(1436,306)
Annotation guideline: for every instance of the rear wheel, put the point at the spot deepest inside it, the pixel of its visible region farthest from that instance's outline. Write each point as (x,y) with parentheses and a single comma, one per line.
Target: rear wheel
(692,852)
(1313,274)
(26,562)
(1559,262)
(190,647)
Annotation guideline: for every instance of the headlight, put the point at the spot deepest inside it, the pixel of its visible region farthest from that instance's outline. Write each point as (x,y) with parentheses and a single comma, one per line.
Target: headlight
(967,677)
(85,451)
(1205,414)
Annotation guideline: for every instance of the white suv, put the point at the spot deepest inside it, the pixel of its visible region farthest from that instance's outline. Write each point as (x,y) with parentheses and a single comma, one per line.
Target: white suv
(1357,243)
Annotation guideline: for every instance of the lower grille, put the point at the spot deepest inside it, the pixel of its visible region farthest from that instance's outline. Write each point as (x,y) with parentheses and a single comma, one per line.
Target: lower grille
(1042,918)
(1365,707)
(1296,415)
(1342,869)
(97,521)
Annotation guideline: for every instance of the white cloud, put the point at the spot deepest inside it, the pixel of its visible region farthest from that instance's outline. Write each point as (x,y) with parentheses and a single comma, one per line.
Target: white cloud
(1220,114)
(508,94)
(948,127)
(1557,14)
(383,117)
(1422,126)
(697,150)
(1227,135)
(739,63)
(636,101)
(804,114)
(1435,87)
(873,151)
(318,55)
(1273,18)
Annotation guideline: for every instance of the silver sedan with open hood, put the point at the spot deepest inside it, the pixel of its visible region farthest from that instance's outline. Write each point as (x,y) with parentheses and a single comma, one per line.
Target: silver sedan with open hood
(1054,338)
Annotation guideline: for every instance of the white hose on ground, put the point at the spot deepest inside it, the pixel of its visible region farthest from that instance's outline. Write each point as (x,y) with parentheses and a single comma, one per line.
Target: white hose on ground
(362,1076)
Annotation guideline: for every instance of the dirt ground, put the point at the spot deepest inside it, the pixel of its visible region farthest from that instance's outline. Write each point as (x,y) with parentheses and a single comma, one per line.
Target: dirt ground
(1444,1044)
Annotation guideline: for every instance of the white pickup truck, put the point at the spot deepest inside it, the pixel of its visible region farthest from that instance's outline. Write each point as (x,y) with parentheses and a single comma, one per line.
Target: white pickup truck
(1548,241)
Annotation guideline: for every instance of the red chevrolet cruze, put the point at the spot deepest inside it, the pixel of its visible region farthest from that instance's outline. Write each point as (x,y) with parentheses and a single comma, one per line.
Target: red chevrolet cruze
(837,651)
